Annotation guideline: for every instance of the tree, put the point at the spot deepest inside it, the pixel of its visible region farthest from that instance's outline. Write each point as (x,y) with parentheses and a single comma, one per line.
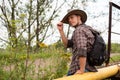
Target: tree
(45,8)
(8,19)
(31,19)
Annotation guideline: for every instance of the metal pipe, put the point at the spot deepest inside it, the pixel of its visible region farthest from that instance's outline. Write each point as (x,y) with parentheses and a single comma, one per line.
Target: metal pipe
(102,73)
(110,25)
(109,33)
(116,6)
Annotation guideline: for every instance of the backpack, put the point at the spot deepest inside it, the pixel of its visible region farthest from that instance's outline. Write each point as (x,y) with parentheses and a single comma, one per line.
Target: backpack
(97,56)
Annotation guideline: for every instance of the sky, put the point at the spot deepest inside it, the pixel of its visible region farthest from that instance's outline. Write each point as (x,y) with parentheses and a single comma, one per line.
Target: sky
(99,22)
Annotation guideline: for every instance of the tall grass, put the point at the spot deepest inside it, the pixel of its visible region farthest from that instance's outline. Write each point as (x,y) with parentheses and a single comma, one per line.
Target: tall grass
(47,64)
(115,48)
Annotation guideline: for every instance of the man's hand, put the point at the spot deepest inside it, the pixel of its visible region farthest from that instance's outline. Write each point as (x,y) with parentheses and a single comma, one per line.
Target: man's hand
(60,26)
(64,38)
(82,62)
(79,72)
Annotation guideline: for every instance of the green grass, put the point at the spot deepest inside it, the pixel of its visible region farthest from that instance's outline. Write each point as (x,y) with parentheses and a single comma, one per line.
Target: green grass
(53,63)
(115,58)
(16,57)
(115,48)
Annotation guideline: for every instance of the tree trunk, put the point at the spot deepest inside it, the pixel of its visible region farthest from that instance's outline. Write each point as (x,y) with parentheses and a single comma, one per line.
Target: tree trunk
(29,27)
(37,29)
(12,28)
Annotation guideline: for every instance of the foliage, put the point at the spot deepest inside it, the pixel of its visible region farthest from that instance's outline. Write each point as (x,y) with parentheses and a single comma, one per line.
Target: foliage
(52,64)
(115,48)
(115,58)
(3,74)
(42,45)
(29,22)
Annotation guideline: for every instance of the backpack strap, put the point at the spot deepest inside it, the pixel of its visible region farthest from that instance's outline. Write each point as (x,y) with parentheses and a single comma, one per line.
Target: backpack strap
(94,31)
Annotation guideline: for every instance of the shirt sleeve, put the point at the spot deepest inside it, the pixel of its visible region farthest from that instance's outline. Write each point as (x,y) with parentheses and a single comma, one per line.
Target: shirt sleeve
(70,44)
(81,43)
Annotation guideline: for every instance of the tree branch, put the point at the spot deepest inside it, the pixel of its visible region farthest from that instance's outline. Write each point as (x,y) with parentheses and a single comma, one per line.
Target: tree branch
(10,4)
(17,2)
(26,28)
(4,40)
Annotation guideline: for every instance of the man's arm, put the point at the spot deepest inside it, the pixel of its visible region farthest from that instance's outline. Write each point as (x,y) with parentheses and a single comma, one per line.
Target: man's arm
(64,38)
(82,62)
(81,43)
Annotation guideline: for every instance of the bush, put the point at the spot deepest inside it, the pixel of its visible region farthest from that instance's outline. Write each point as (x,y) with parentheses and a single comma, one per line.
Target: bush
(3,74)
(52,64)
(115,48)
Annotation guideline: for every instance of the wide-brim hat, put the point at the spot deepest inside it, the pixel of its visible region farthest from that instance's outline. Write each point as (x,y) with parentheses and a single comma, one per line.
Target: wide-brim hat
(82,14)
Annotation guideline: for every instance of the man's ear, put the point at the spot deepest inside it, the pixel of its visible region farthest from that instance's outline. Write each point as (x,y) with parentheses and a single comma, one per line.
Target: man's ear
(79,17)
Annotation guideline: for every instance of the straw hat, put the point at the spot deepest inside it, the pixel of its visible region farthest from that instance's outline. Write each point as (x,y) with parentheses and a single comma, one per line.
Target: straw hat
(82,14)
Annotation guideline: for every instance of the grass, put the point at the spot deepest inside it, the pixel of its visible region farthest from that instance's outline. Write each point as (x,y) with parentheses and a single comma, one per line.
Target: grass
(115,58)
(13,58)
(49,63)
(115,48)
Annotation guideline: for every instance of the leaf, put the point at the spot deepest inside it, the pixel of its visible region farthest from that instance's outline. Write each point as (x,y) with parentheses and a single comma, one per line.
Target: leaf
(23,15)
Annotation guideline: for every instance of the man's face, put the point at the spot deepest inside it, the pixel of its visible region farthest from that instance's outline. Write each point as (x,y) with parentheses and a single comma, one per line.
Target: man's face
(74,20)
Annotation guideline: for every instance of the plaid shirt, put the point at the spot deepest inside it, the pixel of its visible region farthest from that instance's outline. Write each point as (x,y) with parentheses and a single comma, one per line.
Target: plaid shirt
(81,43)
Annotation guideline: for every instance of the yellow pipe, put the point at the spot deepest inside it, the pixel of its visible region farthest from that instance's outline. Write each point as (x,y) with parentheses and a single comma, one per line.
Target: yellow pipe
(100,75)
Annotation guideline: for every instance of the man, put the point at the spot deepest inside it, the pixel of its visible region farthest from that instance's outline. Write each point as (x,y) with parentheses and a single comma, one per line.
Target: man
(81,41)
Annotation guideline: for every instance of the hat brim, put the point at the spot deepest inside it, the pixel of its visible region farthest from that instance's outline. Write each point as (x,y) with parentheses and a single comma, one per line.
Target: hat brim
(82,14)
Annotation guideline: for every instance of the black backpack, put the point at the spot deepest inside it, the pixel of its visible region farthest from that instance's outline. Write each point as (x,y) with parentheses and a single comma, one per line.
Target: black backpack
(98,55)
